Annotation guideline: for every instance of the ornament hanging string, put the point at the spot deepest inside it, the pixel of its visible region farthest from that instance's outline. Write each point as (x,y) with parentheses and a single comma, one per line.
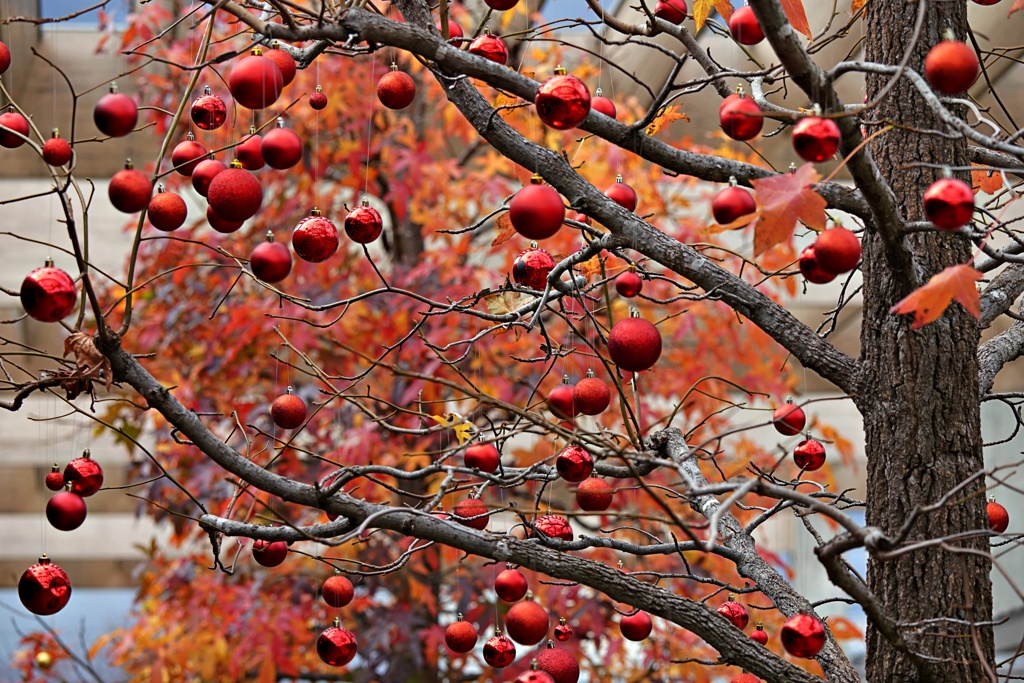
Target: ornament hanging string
(369,121)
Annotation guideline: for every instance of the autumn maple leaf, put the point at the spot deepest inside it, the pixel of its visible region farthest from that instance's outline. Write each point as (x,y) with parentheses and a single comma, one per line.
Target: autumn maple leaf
(785,199)
(702,8)
(928,302)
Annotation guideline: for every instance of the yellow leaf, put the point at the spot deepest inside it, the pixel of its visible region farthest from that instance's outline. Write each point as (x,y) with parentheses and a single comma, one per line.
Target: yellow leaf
(463,430)
(701,10)
(507,302)
(590,266)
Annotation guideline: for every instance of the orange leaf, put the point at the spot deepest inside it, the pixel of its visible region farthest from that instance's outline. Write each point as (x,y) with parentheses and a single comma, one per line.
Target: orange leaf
(927,303)
(986,181)
(784,199)
(724,8)
(505,230)
(856,5)
(665,117)
(843,629)
(794,10)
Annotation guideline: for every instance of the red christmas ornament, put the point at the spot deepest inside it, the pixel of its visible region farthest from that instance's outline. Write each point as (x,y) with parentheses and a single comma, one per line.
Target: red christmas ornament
(166,211)
(672,11)
(534,675)
(235,194)
(336,646)
(562,101)
(187,155)
(130,189)
(56,150)
(949,204)
(574,464)
(554,526)
(511,585)
(490,47)
(809,455)
(315,239)
(602,104)
(594,495)
(219,224)
(581,218)
(285,62)
(977,2)
(812,270)
(54,479)
(48,294)
(501,5)
(337,591)
(527,622)
(65,511)
(760,635)
(256,81)
(460,636)
(364,224)
(591,396)
(740,117)
(318,100)
(745,678)
(559,663)
(816,139)
(482,456)
(536,211)
(466,509)
(281,147)
(744,28)
(499,651)
(732,203)
(563,632)
(622,194)
(288,410)
(634,344)
(209,111)
(951,66)
(788,419)
(629,284)
(44,588)
(84,474)
(396,89)
(455,31)
(269,554)
(15,122)
(531,268)
(250,151)
(5,58)
(115,114)
(734,612)
(802,635)
(837,250)
(560,400)
(636,626)
(204,173)
(998,517)
(270,261)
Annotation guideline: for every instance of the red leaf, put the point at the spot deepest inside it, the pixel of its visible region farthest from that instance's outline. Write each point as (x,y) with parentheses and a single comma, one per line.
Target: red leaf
(927,303)
(784,199)
(794,10)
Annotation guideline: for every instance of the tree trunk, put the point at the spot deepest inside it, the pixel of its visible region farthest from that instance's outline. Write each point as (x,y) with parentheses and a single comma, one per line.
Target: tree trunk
(919,395)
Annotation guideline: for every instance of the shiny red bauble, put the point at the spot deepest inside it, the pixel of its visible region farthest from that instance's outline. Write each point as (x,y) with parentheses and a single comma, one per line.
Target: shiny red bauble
(574,464)
(208,111)
(5,58)
(129,190)
(837,250)
(815,139)
(534,676)
(731,204)
(536,211)
(812,270)
(744,28)
(629,284)
(396,89)
(65,511)
(285,62)
(634,344)
(255,81)
(56,150)
(789,419)
(250,151)
(167,211)
(490,47)
(760,635)
(802,635)
(483,457)
(288,411)
(672,11)
(281,147)
(998,517)
(559,663)
(591,396)
(84,474)
(54,479)
(511,585)
(740,117)
(364,224)
(204,173)
(337,591)
(44,588)
(460,636)
(636,626)
(270,261)
(269,554)
(622,194)
(735,613)
(48,294)
(187,155)
(336,646)
(603,105)
(221,225)
(315,239)
(949,204)
(562,101)
(951,67)
(235,194)
(527,622)
(15,122)
(554,526)
(809,455)
(318,100)
(499,651)
(501,5)
(560,401)
(563,632)
(531,267)
(468,508)
(594,495)
(115,114)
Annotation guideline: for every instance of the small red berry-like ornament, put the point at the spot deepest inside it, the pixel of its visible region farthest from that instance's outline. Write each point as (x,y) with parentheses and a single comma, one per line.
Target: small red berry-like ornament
(527,622)
(48,294)
(602,104)
(256,81)
(166,211)
(271,261)
(250,151)
(531,268)
(221,225)
(622,194)
(745,678)
(740,117)
(269,553)
(5,58)
(559,663)
(115,114)
(789,419)
(204,173)
(744,28)
(732,203)
(482,456)
(809,455)
(364,224)
(56,150)
(499,651)
(396,89)
(594,495)
(998,517)
(949,204)
(628,283)
(130,189)
(536,211)
(591,396)
(734,612)
(44,588)
(187,155)
(54,479)
(288,410)
(816,139)
(490,47)
(315,239)
(574,463)
(209,111)
(318,100)
(672,11)
(511,584)
(460,636)
(65,510)
(563,632)
(15,122)
(468,508)
(634,344)
(636,626)
(802,635)
(501,5)
(235,194)
(336,646)
(562,101)
(554,526)
(560,401)
(812,270)
(534,675)
(951,66)
(760,635)
(281,147)
(285,62)
(337,591)
(837,250)
(84,474)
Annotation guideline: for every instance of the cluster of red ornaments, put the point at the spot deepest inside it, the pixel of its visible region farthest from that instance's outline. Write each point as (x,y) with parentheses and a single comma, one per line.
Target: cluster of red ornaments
(335,645)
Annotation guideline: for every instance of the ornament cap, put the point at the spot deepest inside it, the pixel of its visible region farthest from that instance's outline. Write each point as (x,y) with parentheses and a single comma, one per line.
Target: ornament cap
(634,312)
(190,137)
(280,122)
(590,373)
(319,88)
(337,622)
(991,499)
(792,167)
(760,626)
(56,468)
(732,597)
(67,487)
(551,645)
(55,133)
(618,177)
(206,90)
(256,51)
(252,130)
(599,92)
(128,165)
(86,454)
(394,67)
(732,181)
(459,616)
(365,202)
(536,179)
(113,86)
(565,379)
(534,665)
(48,263)
(314,212)
(948,34)
(235,163)
(533,245)
(560,70)
(270,238)
(160,188)
(561,621)
(43,559)
(740,91)
(289,391)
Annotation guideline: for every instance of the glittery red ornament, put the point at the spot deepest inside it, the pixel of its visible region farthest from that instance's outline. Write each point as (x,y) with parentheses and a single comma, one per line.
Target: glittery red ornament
(634,344)
(460,636)
(559,663)
(255,81)
(221,225)
(56,150)
(482,456)
(734,612)
(44,588)
(998,517)
(204,173)
(315,239)
(837,250)
(560,401)
(531,267)
(789,419)
(629,284)
(740,117)
(187,155)
(744,28)
(501,5)
(622,194)
(396,89)
(54,479)
(84,474)
(130,189)
(48,294)
(336,646)
(270,261)
(281,147)
(949,204)
(672,11)
(812,270)
(760,635)
(809,455)
(467,508)
(802,635)
(731,204)
(534,676)
(745,678)
(499,651)
(527,622)
(288,411)
(235,194)
(318,100)
(167,211)
(269,554)
(574,463)
(536,211)
(816,139)
(602,104)
(594,495)
(15,122)
(5,57)
(363,224)
(554,526)
(490,47)
(337,591)
(562,101)
(208,111)
(563,632)
(115,114)
(285,62)
(591,396)
(65,511)
(951,66)
(249,151)
(511,585)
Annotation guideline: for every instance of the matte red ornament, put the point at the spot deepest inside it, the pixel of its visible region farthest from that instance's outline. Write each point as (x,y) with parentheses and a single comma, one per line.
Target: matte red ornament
(235,194)
(527,622)
(591,396)
(499,651)
(288,411)
(734,612)
(815,139)
(536,211)
(204,173)
(336,646)
(364,224)
(951,67)
(560,401)
(187,155)
(511,585)
(574,463)
(482,456)
(221,225)
(54,479)
(208,111)
(554,526)
(130,189)
(998,517)
(562,101)
(760,635)
(115,114)
(48,294)
(949,204)
(337,591)
(270,261)
(256,81)
(744,28)
(745,678)
(490,47)
(5,58)
(460,636)
(594,495)
(740,117)
(318,100)
(531,267)
(802,635)
(285,62)
(622,194)
(44,588)
(629,284)
(636,626)
(250,151)
(809,455)
(732,203)
(396,89)
(466,509)
(559,663)
(837,250)
(789,419)
(315,239)
(455,31)
(563,632)
(812,270)
(281,147)
(166,211)
(602,104)
(84,474)
(15,122)
(269,553)
(56,150)
(672,11)
(65,511)
(501,5)
(634,344)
